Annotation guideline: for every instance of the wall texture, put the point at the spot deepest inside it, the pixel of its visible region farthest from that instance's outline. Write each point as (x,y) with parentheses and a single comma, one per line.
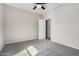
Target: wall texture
(1,27)
(65,25)
(21,25)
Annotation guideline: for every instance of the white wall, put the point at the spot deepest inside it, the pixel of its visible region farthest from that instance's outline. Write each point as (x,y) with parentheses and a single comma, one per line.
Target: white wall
(1,27)
(21,25)
(65,25)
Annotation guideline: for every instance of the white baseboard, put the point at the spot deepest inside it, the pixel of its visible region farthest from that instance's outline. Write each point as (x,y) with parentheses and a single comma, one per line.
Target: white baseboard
(15,41)
(65,44)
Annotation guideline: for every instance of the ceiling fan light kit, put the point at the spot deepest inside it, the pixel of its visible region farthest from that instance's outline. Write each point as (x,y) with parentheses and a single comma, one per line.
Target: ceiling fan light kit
(38,6)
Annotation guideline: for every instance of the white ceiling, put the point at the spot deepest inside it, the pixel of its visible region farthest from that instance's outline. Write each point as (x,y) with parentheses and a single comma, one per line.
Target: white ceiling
(29,6)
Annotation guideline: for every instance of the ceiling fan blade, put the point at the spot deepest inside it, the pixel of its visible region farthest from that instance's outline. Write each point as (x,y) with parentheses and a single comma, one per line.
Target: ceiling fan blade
(43,7)
(34,8)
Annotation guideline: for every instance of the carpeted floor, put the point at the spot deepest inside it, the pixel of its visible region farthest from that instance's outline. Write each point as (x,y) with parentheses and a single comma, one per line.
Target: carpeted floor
(45,48)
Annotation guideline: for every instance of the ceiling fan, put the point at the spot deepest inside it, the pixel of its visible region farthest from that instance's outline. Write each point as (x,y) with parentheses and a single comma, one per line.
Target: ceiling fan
(39,5)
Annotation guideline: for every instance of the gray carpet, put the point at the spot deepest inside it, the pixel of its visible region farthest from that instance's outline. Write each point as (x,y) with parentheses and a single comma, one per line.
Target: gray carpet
(45,47)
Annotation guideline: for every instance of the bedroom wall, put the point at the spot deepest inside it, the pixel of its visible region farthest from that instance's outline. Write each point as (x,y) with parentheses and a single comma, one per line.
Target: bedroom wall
(1,27)
(65,25)
(21,25)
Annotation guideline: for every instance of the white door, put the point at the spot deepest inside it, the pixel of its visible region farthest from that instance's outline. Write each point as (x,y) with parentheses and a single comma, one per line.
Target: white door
(42,29)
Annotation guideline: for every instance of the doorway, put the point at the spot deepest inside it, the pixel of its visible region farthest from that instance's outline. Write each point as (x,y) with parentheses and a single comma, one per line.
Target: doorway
(48,29)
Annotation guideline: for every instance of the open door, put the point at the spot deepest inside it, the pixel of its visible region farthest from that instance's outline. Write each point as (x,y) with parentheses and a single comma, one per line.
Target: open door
(42,29)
